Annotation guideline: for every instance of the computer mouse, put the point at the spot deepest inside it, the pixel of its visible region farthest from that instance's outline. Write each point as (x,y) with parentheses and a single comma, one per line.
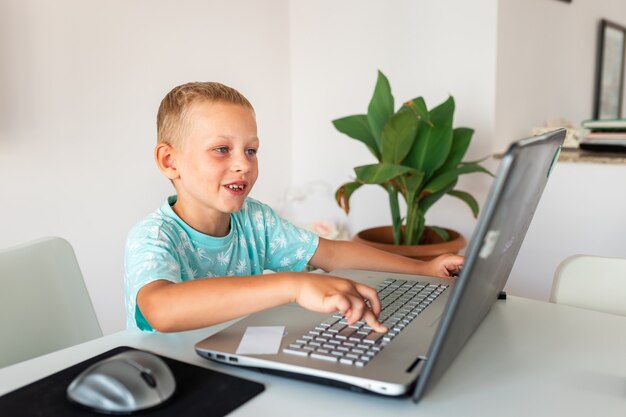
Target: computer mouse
(131,381)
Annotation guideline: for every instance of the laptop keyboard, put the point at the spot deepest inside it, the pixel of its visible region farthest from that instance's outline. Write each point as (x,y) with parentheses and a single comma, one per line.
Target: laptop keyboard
(336,341)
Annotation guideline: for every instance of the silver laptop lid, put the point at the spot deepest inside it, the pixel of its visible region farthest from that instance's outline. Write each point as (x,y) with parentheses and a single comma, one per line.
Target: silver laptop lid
(507,213)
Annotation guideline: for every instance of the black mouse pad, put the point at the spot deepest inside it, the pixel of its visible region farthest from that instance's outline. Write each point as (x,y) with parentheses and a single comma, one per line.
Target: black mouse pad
(199,392)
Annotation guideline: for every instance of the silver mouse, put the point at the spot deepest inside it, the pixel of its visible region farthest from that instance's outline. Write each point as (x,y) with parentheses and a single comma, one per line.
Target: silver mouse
(130,381)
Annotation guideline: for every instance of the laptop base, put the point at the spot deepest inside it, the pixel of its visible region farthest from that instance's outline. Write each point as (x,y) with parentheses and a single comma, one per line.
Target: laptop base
(316,380)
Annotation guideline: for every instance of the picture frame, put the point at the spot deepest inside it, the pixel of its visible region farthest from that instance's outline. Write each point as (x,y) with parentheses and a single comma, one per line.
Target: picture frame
(609,85)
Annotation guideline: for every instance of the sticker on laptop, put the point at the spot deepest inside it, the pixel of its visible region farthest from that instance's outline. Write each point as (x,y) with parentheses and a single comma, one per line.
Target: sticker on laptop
(489,244)
(261,340)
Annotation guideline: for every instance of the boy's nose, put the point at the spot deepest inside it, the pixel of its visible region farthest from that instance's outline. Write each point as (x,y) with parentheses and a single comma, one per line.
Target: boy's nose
(240,163)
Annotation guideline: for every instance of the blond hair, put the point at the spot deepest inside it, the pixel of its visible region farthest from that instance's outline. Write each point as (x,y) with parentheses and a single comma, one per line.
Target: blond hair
(171,118)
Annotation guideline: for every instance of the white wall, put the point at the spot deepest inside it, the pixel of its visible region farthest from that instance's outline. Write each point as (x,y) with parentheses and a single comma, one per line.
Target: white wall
(81,81)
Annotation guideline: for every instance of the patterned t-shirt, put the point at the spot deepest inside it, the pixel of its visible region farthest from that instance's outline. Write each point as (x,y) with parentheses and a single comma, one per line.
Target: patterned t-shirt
(163,246)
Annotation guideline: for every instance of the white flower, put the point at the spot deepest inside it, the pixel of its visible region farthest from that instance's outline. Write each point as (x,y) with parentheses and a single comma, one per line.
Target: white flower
(284,262)
(299,255)
(279,242)
(242,266)
(202,254)
(223,258)
(183,238)
(270,221)
(172,266)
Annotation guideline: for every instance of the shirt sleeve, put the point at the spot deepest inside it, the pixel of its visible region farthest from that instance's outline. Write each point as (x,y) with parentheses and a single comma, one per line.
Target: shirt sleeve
(150,255)
(288,247)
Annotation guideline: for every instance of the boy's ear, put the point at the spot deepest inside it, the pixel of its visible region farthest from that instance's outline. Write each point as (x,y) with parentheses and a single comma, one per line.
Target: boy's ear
(165,156)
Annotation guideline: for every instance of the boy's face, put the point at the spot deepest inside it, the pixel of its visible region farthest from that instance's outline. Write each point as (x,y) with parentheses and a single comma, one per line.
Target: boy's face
(215,165)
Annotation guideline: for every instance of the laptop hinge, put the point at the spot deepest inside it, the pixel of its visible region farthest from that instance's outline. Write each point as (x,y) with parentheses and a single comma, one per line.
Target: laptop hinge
(418,361)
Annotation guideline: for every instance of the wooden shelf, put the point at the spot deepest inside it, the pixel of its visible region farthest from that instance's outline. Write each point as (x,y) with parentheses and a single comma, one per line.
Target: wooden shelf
(578,155)
(588,157)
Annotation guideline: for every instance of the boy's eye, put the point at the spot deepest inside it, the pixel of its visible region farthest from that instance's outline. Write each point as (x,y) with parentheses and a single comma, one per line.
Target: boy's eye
(221,149)
(251,152)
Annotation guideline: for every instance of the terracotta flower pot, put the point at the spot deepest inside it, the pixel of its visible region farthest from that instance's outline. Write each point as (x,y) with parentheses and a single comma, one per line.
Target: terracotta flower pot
(382,238)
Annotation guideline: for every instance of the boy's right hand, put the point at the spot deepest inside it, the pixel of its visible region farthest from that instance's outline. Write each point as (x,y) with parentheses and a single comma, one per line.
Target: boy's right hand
(328,294)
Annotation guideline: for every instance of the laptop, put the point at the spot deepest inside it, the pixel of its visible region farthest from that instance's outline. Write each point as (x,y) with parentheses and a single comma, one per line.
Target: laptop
(431,322)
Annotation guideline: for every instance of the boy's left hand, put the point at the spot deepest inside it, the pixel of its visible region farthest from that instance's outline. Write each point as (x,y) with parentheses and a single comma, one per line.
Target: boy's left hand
(445,266)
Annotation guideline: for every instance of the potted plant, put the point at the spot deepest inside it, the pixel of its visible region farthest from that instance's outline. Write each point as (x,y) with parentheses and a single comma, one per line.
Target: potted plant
(419,155)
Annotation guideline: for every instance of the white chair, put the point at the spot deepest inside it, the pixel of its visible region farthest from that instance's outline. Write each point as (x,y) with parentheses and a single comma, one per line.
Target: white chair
(44,304)
(591,282)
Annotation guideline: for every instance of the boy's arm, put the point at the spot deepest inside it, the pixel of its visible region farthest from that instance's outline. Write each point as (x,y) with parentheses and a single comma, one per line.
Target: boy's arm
(199,303)
(337,254)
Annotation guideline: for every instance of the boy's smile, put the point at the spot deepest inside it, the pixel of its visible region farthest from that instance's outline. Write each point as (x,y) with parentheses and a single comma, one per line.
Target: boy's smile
(214,165)
(237,187)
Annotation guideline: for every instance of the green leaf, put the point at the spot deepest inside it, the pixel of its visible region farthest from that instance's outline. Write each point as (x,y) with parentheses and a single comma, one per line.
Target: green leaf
(469,167)
(461,138)
(379,173)
(396,219)
(427,200)
(418,105)
(440,182)
(343,193)
(433,142)
(478,161)
(471,201)
(413,237)
(443,113)
(413,182)
(357,127)
(398,136)
(380,108)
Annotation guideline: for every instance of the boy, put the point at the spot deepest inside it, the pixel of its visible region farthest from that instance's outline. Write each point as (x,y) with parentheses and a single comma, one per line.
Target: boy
(199,259)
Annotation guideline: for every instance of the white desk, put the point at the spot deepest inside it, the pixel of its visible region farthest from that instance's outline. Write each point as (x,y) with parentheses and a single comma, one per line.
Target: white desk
(528,358)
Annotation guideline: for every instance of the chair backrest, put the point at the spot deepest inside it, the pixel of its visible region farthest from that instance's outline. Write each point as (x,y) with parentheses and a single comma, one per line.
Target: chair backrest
(44,304)
(591,282)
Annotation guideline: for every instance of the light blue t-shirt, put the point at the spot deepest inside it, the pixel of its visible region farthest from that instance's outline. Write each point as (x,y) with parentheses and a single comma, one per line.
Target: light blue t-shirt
(163,246)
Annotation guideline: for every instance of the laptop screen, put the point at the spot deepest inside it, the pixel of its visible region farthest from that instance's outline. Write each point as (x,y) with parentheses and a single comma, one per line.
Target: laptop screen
(504,220)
